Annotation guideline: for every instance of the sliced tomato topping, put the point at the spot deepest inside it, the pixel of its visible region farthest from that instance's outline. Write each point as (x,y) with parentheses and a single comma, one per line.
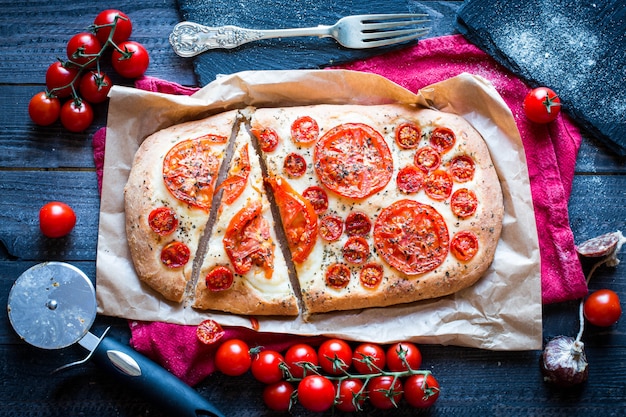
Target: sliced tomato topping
(209,137)
(412,237)
(464,245)
(337,276)
(304,130)
(298,217)
(442,139)
(175,255)
(236,182)
(163,220)
(317,197)
(209,332)
(371,275)
(247,240)
(219,278)
(463,202)
(294,165)
(410,179)
(462,168)
(438,185)
(267,138)
(190,170)
(427,158)
(356,250)
(353,160)
(331,227)
(358,224)
(408,135)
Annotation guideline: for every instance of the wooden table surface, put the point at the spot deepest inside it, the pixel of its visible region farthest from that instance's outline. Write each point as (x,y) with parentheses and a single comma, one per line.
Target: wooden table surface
(39,164)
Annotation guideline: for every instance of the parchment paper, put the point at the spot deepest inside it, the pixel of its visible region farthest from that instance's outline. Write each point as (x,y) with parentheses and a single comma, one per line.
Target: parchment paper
(500,312)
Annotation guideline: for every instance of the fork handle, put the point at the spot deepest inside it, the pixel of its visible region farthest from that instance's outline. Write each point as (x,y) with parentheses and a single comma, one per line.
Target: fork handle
(190,39)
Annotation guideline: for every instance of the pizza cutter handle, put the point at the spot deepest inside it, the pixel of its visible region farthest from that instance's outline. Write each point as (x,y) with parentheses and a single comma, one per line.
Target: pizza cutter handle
(152,380)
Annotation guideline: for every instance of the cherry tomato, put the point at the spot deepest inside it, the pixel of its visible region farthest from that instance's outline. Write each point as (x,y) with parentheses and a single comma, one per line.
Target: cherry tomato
(421,392)
(602,308)
(209,332)
(385,392)
(131,60)
(109,18)
(233,357)
(401,354)
(351,397)
(316,393)
(76,115)
(82,48)
(277,396)
(59,77)
(542,105)
(56,219)
(369,358)
(266,366)
(335,356)
(44,108)
(298,356)
(95,86)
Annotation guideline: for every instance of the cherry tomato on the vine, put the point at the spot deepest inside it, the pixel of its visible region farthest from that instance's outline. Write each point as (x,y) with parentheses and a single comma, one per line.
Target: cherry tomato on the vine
(335,356)
(385,392)
(233,357)
(401,354)
(542,105)
(266,366)
(277,396)
(76,115)
(297,356)
(59,77)
(44,108)
(421,392)
(82,48)
(106,19)
(369,358)
(316,393)
(95,86)
(131,60)
(56,219)
(602,308)
(350,398)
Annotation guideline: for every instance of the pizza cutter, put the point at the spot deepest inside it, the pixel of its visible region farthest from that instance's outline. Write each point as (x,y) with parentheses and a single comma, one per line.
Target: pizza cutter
(52,305)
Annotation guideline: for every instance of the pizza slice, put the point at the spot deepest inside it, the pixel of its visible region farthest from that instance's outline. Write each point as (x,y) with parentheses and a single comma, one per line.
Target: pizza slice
(244,270)
(380,205)
(168,199)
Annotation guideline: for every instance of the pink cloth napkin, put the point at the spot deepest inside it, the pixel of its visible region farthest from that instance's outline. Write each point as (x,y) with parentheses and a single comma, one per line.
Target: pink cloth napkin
(551,155)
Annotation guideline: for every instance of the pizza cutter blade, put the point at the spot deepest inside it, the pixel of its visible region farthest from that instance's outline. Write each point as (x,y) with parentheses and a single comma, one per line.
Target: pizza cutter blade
(52,305)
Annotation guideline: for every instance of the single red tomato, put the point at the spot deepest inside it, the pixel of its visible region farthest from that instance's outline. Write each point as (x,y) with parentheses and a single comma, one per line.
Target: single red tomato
(335,356)
(56,219)
(277,396)
(266,366)
(131,60)
(421,392)
(112,20)
(95,86)
(209,332)
(76,115)
(301,356)
(44,108)
(369,358)
(385,392)
(602,308)
(542,105)
(316,393)
(351,395)
(402,355)
(233,357)
(59,78)
(82,48)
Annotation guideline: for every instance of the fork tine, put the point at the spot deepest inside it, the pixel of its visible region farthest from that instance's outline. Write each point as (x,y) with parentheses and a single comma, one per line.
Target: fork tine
(370,17)
(392,24)
(390,34)
(391,41)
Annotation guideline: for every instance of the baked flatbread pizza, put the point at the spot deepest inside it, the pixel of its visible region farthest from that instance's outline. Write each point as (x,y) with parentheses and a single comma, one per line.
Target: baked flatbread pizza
(369,206)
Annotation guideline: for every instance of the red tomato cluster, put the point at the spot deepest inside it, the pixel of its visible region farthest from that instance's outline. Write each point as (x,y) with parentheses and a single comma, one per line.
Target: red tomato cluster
(74,85)
(334,374)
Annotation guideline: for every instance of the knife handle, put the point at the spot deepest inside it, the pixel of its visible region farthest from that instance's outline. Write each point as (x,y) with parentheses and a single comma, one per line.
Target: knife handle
(152,380)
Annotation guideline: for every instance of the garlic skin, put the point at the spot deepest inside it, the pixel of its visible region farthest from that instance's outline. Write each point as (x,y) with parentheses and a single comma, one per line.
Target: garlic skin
(563,362)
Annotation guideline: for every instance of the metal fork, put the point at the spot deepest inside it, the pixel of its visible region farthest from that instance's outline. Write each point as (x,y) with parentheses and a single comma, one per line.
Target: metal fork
(358,32)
